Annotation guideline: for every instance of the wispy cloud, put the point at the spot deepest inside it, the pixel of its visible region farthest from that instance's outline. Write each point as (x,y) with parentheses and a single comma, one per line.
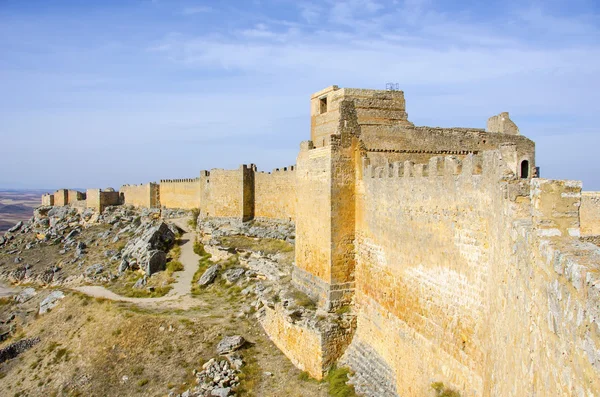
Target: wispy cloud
(241,79)
(195,10)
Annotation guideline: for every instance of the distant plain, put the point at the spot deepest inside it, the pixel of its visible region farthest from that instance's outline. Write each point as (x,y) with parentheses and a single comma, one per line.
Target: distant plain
(17,205)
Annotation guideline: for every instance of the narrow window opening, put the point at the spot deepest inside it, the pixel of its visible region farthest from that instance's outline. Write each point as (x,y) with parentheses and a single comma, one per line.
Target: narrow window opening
(525,169)
(323,105)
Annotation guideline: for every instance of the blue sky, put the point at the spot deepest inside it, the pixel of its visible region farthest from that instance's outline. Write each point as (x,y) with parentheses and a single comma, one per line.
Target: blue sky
(101,93)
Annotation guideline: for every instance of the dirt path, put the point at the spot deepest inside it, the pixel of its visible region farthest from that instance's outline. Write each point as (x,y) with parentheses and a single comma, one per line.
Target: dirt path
(189,259)
(7,290)
(180,294)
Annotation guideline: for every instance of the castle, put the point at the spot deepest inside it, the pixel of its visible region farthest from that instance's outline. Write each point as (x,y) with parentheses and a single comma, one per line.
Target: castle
(460,264)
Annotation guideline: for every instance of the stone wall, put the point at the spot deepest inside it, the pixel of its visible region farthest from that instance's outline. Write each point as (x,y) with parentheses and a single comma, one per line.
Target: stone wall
(47,199)
(144,195)
(313,221)
(61,197)
(180,193)
(590,214)
(224,194)
(99,200)
(228,193)
(503,124)
(422,269)
(373,107)
(275,194)
(74,195)
(469,276)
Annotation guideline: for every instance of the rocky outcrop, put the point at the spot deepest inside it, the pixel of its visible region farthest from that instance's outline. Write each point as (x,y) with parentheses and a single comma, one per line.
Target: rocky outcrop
(14,349)
(262,229)
(51,301)
(148,251)
(209,276)
(229,344)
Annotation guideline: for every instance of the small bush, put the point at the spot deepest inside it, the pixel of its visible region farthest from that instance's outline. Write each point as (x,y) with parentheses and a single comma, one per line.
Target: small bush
(443,391)
(193,223)
(143,382)
(175,252)
(199,249)
(337,378)
(174,266)
(303,300)
(343,310)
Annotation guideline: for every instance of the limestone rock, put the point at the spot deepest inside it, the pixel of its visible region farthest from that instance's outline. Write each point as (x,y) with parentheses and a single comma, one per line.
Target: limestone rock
(16,227)
(230,344)
(140,283)
(156,262)
(221,392)
(144,248)
(51,301)
(123,266)
(209,276)
(94,269)
(14,349)
(25,295)
(233,275)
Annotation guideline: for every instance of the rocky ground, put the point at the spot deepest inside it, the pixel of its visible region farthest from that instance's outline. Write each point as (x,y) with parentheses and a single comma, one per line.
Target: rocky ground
(206,342)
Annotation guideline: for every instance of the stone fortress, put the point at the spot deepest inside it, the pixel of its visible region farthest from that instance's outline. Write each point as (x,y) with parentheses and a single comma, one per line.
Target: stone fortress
(457,262)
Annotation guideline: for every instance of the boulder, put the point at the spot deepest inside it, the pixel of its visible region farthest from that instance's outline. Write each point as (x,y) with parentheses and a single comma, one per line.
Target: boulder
(16,227)
(94,269)
(2,241)
(140,283)
(156,262)
(14,349)
(123,266)
(158,237)
(25,295)
(51,301)
(230,344)
(209,276)
(221,392)
(233,275)
(72,234)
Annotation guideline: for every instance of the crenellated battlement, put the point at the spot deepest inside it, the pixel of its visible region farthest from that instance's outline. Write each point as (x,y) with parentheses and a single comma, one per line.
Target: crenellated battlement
(185,180)
(438,166)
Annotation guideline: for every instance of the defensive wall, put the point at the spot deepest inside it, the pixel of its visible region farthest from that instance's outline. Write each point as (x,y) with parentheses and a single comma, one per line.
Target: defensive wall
(63,197)
(460,266)
(590,214)
(99,199)
(145,195)
(275,194)
(453,260)
(179,193)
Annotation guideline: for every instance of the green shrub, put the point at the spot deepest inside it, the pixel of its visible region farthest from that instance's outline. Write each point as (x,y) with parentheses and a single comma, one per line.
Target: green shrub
(337,378)
(174,266)
(199,249)
(443,391)
(193,223)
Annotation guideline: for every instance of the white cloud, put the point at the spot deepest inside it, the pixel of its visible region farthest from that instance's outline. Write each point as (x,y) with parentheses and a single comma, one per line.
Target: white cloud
(193,10)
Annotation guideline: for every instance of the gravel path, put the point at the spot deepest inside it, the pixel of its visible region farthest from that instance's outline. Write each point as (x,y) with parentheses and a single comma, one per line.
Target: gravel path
(7,290)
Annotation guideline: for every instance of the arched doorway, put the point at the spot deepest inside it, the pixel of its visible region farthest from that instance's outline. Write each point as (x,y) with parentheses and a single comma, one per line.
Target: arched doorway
(525,169)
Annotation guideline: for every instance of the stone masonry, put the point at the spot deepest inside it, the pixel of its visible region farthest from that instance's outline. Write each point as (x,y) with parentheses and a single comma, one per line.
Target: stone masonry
(457,263)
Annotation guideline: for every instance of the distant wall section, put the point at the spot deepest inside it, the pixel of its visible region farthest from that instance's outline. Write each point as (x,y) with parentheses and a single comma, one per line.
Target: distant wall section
(229,193)
(180,193)
(144,195)
(590,213)
(99,200)
(275,194)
